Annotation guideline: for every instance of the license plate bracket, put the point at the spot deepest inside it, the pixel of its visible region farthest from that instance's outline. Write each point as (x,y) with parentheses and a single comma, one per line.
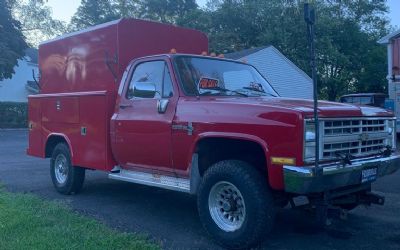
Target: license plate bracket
(369,174)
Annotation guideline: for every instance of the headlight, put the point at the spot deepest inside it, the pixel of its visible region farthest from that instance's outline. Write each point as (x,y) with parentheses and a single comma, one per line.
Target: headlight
(309,151)
(309,132)
(309,141)
(391,126)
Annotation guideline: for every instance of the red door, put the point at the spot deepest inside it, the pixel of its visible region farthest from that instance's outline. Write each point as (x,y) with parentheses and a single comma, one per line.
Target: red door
(142,131)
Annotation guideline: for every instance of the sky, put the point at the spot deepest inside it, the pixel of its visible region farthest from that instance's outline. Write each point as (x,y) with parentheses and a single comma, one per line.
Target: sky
(63,10)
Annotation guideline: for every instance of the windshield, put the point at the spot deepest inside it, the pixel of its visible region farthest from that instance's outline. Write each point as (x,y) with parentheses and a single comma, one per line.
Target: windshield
(207,76)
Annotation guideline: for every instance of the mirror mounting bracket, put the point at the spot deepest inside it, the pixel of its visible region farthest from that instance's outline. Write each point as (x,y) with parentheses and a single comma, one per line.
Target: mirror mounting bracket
(162,105)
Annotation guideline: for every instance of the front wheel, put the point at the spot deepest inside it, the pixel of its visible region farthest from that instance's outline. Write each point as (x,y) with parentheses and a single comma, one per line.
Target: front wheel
(235,204)
(66,178)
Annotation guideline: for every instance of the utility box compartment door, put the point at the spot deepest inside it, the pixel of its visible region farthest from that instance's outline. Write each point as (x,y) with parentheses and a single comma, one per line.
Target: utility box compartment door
(92,144)
(60,109)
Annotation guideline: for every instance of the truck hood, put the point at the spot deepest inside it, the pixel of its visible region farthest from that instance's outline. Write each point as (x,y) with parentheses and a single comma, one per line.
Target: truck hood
(306,107)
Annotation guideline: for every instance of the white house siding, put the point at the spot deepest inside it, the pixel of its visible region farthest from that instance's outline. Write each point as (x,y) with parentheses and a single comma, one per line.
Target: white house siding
(14,90)
(286,78)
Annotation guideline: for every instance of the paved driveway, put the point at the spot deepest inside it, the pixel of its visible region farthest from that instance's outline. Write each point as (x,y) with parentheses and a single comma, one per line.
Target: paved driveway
(170,218)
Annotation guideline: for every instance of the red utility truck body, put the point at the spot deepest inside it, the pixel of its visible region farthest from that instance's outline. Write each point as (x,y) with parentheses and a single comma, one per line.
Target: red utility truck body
(114,99)
(80,76)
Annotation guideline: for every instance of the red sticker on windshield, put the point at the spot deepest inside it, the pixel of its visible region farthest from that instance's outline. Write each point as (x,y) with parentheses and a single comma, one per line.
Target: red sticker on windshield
(208,83)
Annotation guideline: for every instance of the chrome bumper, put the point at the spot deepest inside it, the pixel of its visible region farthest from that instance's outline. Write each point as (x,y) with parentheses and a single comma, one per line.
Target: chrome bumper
(303,180)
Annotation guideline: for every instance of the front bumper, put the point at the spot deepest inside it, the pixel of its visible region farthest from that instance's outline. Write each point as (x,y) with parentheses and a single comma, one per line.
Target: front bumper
(303,180)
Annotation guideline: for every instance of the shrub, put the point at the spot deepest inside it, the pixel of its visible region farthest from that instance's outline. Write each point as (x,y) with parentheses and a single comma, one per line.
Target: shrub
(13,115)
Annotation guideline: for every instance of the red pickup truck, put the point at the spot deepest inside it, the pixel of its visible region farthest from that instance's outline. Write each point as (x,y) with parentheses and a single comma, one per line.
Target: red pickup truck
(118,98)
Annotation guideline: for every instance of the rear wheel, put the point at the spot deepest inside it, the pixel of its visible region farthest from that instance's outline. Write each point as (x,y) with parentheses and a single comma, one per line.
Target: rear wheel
(235,204)
(66,178)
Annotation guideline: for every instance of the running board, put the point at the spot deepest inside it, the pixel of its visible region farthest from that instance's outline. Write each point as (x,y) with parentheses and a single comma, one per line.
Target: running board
(155,180)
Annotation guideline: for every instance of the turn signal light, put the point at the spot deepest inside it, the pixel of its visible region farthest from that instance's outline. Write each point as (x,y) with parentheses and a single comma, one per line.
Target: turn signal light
(283,161)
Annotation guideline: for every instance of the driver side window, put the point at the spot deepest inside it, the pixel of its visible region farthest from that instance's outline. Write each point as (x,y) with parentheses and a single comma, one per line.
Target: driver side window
(153,73)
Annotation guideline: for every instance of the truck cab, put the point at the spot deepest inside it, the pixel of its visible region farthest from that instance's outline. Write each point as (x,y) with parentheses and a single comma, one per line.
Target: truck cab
(158,107)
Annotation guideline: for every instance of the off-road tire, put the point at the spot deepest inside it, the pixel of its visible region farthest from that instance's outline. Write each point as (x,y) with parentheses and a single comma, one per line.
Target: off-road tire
(75,176)
(259,203)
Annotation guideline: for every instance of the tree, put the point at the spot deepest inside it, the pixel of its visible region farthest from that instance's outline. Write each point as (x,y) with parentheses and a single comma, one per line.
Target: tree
(348,58)
(93,12)
(165,11)
(12,43)
(37,23)
(126,8)
(196,19)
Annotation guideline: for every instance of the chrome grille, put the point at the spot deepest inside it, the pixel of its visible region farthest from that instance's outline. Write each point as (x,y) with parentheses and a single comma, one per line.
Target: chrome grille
(346,127)
(355,136)
(373,125)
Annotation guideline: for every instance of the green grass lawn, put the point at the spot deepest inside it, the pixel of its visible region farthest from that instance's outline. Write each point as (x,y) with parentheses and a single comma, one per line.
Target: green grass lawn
(28,222)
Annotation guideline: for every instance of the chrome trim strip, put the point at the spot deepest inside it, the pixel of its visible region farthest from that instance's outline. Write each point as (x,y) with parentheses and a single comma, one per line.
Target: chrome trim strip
(354,118)
(355,137)
(155,180)
(356,164)
(302,170)
(331,168)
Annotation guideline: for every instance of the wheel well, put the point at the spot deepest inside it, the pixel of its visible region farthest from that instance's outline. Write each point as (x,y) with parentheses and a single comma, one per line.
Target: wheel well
(52,141)
(213,150)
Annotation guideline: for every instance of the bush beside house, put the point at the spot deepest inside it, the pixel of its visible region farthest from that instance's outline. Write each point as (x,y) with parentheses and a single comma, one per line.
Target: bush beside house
(13,115)
(14,92)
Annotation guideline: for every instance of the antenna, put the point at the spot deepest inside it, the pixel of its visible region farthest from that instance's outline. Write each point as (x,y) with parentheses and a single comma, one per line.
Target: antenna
(309,18)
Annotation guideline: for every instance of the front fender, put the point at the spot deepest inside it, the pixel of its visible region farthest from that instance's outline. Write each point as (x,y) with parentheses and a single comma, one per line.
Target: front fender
(275,176)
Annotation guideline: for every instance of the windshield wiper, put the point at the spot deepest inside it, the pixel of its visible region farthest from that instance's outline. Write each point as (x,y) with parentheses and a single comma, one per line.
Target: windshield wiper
(259,91)
(224,90)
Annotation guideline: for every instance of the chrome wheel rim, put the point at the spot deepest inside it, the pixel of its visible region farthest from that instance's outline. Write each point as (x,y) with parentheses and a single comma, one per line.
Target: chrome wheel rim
(227,207)
(61,168)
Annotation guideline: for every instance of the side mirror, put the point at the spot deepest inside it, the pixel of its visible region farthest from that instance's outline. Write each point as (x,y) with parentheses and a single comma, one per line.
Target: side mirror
(144,90)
